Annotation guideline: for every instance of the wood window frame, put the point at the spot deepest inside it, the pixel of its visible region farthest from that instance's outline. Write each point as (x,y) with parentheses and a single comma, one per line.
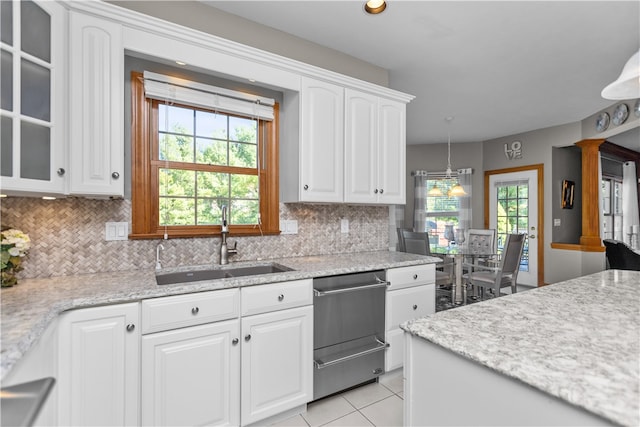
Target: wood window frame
(144,194)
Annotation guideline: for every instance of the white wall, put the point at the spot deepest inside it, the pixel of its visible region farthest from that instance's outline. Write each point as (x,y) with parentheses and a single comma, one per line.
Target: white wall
(196,15)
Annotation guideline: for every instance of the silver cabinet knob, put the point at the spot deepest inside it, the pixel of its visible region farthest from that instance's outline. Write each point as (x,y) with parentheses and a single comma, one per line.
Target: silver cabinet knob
(195,310)
(115,175)
(375,191)
(235,341)
(306,187)
(381,190)
(247,337)
(532,236)
(61,171)
(415,277)
(415,306)
(130,327)
(280,297)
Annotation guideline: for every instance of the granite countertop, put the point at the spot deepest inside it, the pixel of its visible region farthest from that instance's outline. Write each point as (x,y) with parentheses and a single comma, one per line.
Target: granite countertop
(28,308)
(578,340)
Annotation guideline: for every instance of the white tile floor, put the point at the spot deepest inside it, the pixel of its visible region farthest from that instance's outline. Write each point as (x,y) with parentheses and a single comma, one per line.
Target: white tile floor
(376,404)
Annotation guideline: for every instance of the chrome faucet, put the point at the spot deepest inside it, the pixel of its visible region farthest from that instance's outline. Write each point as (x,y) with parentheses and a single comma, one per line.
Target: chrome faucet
(225,251)
(158,249)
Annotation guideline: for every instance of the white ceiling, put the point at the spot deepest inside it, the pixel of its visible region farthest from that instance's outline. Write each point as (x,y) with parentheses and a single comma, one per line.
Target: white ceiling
(499,68)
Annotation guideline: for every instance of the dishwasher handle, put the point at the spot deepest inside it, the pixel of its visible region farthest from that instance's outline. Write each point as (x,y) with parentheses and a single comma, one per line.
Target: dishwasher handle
(380,284)
(380,345)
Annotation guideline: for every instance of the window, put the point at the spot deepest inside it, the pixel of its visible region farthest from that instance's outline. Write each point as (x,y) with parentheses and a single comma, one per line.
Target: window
(441,209)
(189,161)
(513,215)
(612,208)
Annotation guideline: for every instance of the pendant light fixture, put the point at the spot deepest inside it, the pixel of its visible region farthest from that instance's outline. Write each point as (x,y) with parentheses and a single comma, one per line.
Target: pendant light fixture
(627,86)
(456,190)
(434,191)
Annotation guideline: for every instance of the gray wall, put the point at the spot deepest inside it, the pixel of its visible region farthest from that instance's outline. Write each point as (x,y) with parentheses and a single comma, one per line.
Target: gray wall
(537,147)
(196,15)
(433,157)
(567,164)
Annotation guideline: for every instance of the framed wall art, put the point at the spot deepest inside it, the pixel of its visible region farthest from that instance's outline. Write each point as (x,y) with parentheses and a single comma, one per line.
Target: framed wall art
(568,188)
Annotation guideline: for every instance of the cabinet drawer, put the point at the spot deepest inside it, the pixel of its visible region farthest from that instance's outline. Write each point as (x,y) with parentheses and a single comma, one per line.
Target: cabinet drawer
(410,303)
(161,314)
(276,296)
(416,275)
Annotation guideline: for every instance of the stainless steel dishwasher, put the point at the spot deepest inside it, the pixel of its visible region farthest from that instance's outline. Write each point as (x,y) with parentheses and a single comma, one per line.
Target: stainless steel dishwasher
(348,330)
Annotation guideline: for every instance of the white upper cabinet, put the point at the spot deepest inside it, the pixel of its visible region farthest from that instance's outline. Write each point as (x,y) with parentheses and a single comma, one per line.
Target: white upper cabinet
(361,154)
(32,110)
(352,147)
(374,149)
(96,102)
(392,148)
(321,141)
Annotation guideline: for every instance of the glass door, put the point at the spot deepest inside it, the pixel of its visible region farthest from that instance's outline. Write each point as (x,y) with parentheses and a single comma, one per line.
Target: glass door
(513,209)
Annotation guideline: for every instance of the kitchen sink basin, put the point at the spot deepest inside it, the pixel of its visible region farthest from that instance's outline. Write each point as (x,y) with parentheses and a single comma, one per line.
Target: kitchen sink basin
(218,273)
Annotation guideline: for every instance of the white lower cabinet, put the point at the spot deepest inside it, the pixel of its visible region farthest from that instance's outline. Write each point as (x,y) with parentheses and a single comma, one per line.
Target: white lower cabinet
(191,376)
(252,360)
(411,294)
(98,371)
(277,362)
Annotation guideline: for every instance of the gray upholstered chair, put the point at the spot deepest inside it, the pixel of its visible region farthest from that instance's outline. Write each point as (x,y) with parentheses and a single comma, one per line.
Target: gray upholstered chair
(418,243)
(481,241)
(494,278)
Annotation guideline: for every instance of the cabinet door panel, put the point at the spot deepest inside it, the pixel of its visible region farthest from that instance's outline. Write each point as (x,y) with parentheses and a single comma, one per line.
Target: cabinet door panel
(321,147)
(277,362)
(392,152)
(361,136)
(34,98)
(191,376)
(98,379)
(96,102)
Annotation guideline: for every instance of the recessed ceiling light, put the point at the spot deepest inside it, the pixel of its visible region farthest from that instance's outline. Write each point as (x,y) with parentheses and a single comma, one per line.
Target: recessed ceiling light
(374,7)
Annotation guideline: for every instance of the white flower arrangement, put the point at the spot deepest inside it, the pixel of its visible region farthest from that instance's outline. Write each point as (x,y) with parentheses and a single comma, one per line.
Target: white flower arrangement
(14,245)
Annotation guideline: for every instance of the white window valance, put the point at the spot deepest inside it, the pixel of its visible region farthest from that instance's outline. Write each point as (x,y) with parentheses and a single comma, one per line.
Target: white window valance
(511,183)
(174,89)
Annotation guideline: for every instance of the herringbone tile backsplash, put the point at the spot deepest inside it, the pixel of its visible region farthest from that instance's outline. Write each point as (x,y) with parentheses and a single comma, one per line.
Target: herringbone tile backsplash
(68,236)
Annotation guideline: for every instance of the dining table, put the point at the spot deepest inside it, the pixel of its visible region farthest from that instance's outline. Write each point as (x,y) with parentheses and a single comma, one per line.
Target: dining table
(460,254)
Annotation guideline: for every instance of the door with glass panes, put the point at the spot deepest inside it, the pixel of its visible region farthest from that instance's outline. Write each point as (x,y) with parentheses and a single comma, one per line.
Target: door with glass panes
(513,208)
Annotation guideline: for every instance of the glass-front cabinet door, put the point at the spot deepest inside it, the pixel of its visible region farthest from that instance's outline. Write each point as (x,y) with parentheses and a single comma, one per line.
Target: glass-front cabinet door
(32,79)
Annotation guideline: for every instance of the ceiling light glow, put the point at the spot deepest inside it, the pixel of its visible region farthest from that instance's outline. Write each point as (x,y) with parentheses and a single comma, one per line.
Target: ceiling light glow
(374,7)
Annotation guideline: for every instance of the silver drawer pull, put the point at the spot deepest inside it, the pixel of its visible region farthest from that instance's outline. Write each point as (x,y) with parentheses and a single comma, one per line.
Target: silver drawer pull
(381,345)
(352,289)
(415,276)
(415,306)
(280,297)
(195,310)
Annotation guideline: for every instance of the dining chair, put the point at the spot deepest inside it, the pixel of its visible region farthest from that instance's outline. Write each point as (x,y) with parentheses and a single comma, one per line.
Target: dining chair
(481,241)
(495,278)
(620,256)
(418,243)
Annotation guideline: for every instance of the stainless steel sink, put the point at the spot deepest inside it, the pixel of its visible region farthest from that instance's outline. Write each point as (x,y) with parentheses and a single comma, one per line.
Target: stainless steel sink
(218,273)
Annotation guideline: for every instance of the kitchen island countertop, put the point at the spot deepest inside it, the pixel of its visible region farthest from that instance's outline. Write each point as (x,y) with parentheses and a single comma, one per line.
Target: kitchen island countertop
(577,340)
(28,308)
